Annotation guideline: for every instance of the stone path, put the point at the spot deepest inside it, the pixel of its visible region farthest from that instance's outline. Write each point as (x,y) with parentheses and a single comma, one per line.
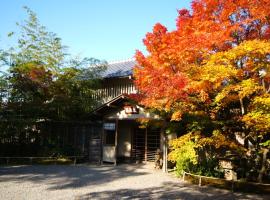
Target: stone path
(82,182)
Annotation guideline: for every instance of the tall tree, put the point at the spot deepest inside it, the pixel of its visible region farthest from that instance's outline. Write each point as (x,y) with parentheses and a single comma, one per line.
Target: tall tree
(44,79)
(210,27)
(33,65)
(198,71)
(42,83)
(73,91)
(36,44)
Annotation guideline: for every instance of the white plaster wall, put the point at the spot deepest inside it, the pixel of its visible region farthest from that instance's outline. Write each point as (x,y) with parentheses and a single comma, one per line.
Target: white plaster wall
(109,153)
(124,138)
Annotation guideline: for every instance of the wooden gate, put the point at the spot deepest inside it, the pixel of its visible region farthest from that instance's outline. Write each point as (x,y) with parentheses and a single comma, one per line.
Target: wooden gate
(95,150)
(95,144)
(145,144)
(138,145)
(153,143)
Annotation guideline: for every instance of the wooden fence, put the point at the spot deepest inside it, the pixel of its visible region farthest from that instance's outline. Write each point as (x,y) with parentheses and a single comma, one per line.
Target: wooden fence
(233,185)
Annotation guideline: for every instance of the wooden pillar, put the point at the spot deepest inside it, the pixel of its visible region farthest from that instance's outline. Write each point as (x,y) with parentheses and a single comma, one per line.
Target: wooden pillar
(116,138)
(164,147)
(145,145)
(101,142)
(132,130)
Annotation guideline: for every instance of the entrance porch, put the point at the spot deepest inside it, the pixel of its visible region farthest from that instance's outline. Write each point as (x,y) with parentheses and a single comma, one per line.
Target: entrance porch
(125,141)
(122,138)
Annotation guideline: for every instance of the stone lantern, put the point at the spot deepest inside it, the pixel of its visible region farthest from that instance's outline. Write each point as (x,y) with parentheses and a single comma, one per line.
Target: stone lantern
(226,163)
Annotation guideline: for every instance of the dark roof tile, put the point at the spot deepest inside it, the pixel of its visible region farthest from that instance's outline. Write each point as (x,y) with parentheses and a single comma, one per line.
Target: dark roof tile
(119,69)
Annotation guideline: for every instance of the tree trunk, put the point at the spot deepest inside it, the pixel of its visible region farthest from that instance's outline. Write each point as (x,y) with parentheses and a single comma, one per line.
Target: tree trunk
(242,107)
(164,146)
(263,168)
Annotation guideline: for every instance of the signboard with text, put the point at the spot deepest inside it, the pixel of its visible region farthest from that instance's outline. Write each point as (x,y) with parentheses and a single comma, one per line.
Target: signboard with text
(131,110)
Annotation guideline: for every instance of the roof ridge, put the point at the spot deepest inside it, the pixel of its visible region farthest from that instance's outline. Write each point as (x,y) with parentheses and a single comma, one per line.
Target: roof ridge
(121,61)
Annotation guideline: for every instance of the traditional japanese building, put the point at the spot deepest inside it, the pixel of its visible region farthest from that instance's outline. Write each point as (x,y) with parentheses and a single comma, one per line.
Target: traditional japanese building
(121,137)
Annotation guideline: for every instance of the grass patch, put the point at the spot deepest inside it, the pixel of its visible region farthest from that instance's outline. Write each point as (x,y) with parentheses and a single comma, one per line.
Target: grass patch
(37,160)
(58,161)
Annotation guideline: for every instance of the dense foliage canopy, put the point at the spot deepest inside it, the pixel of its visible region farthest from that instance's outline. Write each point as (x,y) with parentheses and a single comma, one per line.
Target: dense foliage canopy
(212,74)
(42,82)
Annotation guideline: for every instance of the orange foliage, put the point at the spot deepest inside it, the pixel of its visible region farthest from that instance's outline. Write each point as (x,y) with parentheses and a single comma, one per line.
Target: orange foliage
(168,74)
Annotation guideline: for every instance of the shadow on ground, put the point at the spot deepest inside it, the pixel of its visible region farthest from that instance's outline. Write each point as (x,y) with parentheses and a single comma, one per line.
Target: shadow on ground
(67,176)
(171,190)
(91,182)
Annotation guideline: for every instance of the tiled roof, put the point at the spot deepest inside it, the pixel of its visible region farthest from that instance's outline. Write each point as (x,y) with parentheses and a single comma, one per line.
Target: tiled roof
(119,69)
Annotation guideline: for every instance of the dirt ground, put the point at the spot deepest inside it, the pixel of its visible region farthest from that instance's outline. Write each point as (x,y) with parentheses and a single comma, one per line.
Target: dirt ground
(102,182)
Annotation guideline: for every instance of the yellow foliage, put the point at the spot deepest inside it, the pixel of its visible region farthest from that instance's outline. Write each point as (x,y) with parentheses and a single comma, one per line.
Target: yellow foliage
(258,117)
(176,116)
(258,120)
(183,148)
(250,55)
(247,88)
(187,144)
(217,140)
(234,74)
(179,142)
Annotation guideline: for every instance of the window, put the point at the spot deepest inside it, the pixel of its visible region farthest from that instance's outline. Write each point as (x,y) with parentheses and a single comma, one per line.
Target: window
(109,137)
(109,126)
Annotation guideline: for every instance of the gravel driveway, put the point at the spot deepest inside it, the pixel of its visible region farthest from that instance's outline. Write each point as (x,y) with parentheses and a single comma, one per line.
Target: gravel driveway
(101,182)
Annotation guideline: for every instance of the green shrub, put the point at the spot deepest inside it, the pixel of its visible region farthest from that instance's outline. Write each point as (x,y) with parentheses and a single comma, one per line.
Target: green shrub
(208,167)
(187,158)
(184,152)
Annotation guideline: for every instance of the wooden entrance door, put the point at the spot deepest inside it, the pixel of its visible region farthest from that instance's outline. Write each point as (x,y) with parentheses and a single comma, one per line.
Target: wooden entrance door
(138,145)
(153,143)
(145,144)
(109,142)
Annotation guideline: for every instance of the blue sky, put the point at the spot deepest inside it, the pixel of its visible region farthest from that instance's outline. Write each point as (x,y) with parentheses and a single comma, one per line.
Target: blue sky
(104,29)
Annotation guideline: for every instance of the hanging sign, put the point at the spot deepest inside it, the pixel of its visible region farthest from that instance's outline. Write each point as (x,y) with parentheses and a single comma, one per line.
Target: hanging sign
(109,126)
(131,110)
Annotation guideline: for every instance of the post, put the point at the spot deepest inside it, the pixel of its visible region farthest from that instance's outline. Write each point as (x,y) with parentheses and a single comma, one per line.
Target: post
(74,163)
(115,140)
(164,146)
(164,149)
(31,160)
(145,146)
(184,176)
(200,181)
(102,143)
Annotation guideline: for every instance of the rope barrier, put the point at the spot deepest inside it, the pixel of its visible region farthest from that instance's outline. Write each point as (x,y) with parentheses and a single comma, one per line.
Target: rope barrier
(233,183)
